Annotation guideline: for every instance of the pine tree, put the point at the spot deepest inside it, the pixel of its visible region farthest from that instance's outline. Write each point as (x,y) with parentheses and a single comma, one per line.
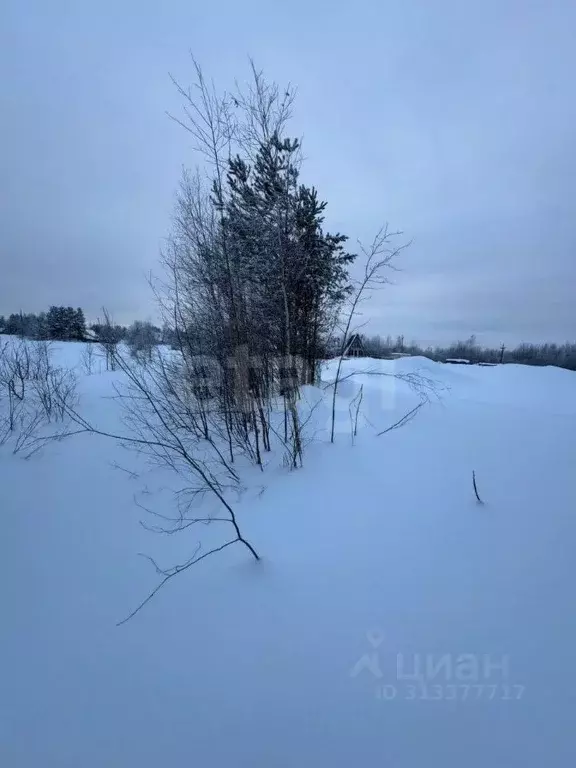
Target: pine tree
(69,323)
(78,325)
(42,326)
(55,323)
(289,274)
(13,325)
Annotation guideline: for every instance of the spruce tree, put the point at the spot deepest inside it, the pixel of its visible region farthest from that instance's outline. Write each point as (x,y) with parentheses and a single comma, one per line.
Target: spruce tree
(78,325)
(290,274)
(13,325)
(58,323)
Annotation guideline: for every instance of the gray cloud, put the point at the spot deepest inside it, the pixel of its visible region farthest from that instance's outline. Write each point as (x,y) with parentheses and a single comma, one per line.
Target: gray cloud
(454,122)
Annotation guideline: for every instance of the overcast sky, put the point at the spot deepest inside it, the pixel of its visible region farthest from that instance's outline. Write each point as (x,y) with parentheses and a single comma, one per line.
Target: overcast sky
(453,120)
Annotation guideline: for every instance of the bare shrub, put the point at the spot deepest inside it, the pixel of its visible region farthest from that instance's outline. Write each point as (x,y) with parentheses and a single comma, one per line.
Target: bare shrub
(88,359)
(170,424)
(378,260)
(33,392)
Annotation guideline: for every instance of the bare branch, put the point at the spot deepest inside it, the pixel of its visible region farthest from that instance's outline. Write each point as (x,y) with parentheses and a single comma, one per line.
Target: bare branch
(404,420)
(476,488)
(170,573)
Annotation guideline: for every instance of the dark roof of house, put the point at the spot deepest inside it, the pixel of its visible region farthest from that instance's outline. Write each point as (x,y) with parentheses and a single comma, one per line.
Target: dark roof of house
(354,341)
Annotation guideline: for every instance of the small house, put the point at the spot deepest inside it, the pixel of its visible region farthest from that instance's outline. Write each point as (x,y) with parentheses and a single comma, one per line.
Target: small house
(354,346)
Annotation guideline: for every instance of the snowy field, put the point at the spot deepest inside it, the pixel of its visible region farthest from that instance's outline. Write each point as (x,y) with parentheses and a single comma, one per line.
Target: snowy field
(393,621)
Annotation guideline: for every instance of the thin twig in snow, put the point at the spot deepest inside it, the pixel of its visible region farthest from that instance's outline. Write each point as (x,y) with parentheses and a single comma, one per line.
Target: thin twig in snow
(476,487)
(405,419)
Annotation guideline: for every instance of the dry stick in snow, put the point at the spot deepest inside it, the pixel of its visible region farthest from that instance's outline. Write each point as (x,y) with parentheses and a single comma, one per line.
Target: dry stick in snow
(476,487)
(357,401)
(405,419)
(169,573)
(358,410)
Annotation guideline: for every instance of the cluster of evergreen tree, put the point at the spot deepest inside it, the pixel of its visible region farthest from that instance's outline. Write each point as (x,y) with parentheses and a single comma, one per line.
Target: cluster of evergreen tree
(59,323)
(254,282)
(289,274)
(254,267)
(68,324)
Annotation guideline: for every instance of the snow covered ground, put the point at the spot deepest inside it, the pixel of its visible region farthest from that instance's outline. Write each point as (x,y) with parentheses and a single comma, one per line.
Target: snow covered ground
(379,567)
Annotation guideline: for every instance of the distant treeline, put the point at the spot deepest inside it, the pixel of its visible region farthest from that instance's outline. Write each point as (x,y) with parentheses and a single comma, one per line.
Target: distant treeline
(69,324)
(61,323)
(561,355)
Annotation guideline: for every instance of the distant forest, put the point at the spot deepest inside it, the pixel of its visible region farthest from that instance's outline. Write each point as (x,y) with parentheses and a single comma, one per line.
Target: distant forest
(69,324)
(61,323)
(561,355)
